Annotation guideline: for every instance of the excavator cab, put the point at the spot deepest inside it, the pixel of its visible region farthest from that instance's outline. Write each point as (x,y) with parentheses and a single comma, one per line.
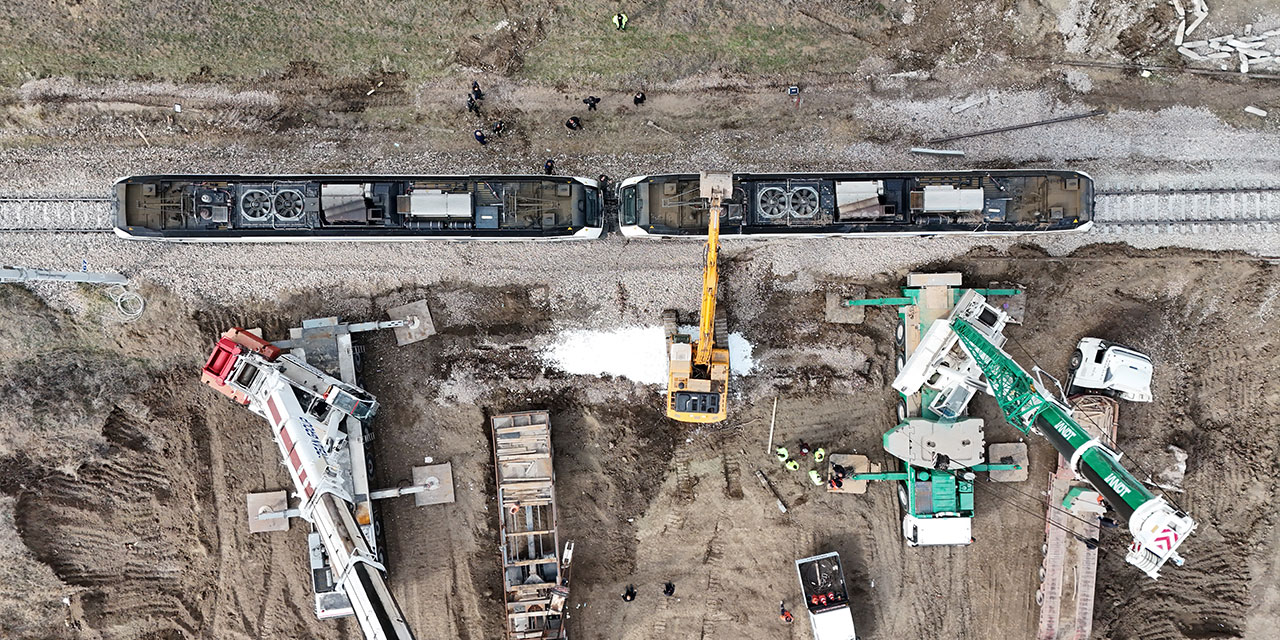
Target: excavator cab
(698,366)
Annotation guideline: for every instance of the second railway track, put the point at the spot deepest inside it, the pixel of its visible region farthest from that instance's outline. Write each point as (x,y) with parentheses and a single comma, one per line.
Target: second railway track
(1189,210)
(73,214)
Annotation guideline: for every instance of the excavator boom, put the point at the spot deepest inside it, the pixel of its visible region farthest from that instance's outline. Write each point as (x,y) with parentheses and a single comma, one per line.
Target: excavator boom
(710,281)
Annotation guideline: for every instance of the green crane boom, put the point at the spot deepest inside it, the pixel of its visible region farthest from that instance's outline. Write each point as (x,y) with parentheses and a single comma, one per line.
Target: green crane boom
(1158,528)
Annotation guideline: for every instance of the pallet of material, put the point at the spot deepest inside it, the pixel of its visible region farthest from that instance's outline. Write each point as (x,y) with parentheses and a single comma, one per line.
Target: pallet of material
(535,584)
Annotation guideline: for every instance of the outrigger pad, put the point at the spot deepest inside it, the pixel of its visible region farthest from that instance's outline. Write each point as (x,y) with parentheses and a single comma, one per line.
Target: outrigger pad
(268,503)
(423,329)
(1008,453)
(438,479)
(853,464)
(838,313)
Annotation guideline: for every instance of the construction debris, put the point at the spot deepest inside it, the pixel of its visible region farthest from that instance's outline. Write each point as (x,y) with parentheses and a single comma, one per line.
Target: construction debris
(1252,49)
(1261,113)
(937,152)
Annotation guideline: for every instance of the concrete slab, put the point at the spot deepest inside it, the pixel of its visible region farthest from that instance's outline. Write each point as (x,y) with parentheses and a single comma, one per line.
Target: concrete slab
(421,330)
(840,314)
(852,463)
(1016,452)
(918,280)
(438,478)
(265,503)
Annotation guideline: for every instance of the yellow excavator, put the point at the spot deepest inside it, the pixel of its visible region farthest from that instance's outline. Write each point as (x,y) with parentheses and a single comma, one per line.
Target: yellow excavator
(698,373)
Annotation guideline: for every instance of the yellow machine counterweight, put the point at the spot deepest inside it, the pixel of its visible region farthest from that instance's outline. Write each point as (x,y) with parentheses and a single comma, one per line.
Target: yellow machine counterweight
(698,373)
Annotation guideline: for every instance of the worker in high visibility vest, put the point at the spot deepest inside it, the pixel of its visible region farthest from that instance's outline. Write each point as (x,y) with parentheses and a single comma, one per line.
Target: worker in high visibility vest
(620,21)
(820,455)
(815,477)
(793,465)
(782,454)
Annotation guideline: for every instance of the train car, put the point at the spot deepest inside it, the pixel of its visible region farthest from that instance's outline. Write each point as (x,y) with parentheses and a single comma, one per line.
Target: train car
(863,204)
(266,208)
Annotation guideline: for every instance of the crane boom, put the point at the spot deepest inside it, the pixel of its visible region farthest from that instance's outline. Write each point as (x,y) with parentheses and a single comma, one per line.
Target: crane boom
(710,282)
(1158,528)
(306,408)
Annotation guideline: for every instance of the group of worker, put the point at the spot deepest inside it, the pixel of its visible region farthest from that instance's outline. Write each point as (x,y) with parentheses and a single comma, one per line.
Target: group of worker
(574,123)
(819,456)
(629,594)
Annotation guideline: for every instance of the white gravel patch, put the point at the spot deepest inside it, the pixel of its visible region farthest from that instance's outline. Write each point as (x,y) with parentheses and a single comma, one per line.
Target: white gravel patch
(635,353)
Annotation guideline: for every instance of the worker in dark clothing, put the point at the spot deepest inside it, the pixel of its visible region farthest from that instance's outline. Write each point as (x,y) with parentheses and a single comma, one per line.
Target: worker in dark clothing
(604,182)
(591,102)
(472,105)
(499,127)
(573,123)
(629,594)
(1107,522)
(783,613)
(476,92)
(669,589)
(480,137)
(549,167)
(804,448)
(839,471)
(638,99)
(836,483)
(620,21)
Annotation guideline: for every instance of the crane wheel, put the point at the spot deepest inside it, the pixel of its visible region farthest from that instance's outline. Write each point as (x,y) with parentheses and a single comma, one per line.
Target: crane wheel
(901,334)
(1076,359)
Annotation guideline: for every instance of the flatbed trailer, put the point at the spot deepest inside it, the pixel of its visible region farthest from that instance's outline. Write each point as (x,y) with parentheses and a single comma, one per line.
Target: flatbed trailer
(1070,567)
(534,574)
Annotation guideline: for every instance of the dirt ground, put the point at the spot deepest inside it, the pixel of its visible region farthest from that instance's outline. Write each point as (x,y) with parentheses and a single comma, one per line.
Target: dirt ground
(125,479)
(122,480)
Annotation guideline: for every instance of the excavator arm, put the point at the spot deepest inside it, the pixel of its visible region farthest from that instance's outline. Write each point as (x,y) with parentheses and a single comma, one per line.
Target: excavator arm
(1158,528)
(710,282)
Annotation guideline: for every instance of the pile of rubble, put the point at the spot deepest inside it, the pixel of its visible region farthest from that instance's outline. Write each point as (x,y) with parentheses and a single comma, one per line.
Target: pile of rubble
(1252,49)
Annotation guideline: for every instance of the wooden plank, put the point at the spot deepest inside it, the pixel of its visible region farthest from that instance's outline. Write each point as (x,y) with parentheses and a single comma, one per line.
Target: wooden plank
(528,603)
(532,533)
(525,563)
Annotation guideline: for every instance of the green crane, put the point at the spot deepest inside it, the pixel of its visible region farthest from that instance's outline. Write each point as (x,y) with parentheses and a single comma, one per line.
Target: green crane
(1158,528)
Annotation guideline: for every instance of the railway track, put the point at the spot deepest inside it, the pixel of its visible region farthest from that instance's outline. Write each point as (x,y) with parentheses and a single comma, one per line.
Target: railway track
(1188,211)
(56,215)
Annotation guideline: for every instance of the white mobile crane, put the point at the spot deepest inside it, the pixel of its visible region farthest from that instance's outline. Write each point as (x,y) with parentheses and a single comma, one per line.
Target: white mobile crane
(972,335)
(306,409)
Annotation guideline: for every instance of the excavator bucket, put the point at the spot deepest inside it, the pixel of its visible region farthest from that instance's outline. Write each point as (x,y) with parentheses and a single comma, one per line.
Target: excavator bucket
(712,182)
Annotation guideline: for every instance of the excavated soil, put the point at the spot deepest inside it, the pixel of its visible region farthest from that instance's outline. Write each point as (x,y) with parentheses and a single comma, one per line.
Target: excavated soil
(124,479)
